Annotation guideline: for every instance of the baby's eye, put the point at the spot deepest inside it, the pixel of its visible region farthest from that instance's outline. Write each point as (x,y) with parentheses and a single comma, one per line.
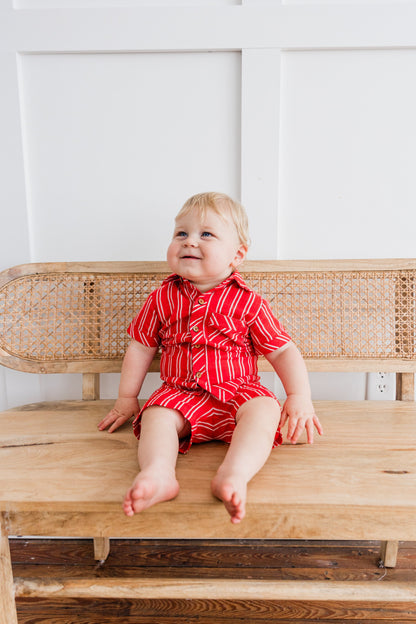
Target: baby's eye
(181,234)
(206,235)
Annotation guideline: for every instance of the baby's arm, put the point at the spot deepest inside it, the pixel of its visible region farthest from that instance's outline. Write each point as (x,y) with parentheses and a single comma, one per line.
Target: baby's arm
(136,363)
(298,409)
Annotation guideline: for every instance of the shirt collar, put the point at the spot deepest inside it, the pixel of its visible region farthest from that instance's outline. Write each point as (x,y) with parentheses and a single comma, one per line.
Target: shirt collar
(237,277)
(234,277)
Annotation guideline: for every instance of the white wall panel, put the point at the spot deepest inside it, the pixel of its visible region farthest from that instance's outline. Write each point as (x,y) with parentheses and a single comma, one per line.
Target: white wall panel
(14,247)
(22,388)
(260,103)
(335,2)
(72,4)
(348,148)
(116,143)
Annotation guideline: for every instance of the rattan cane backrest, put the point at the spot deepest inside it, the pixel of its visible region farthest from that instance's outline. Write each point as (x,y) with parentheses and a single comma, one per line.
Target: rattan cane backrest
(57,318)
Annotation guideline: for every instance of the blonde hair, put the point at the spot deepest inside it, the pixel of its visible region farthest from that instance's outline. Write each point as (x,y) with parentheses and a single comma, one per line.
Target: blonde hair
(223,206)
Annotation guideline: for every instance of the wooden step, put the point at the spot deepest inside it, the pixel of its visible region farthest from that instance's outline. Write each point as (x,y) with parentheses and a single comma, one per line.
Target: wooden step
(215,589)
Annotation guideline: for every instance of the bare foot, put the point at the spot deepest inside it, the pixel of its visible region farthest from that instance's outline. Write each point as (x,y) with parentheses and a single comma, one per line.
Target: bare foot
(147,490)
(232,492)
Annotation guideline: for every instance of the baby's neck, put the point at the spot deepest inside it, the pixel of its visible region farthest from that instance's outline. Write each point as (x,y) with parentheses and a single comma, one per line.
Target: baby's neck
(204,287)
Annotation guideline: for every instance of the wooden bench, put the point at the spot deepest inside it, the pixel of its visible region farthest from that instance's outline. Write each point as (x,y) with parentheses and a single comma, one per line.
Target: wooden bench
(60,476)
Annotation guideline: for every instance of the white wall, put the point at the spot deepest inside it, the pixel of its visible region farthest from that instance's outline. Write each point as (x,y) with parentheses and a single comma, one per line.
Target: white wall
(114,112)
(120,143)
(348,153)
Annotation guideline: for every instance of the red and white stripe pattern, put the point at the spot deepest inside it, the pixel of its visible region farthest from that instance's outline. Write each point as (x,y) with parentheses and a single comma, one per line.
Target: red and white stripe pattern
(209,340)
(210,418)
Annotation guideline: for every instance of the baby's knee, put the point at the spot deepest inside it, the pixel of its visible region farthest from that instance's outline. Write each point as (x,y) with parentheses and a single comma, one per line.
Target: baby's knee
(166,416)
(265,410)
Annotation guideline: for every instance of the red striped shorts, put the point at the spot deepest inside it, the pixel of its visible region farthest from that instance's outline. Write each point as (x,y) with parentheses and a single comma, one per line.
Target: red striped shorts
(210,418)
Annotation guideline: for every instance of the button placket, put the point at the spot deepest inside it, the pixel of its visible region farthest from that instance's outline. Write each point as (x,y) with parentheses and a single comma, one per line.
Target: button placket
(197,314)
(197,332)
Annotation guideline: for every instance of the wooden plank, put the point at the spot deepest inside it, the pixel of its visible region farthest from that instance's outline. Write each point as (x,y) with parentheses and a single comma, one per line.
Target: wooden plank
(37,435)
(232,554)
(291,522)
(81,611)
(215,589)
(48,487)
(79,366)
(224,554)
(7,603)
(261,559)
(267,266)
(337,560)
(329,364)
(373,574)
(34,268)
(340,365)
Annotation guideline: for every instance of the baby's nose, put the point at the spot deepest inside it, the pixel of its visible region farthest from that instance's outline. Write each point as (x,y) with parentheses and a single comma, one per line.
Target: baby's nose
(190,242)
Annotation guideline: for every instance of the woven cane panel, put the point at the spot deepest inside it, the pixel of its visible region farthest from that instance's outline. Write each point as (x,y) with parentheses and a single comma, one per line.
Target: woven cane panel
(70,317)
(345,314)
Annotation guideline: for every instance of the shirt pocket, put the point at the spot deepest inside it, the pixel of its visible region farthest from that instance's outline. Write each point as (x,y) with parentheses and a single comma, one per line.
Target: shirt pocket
(176,333)
(225,331)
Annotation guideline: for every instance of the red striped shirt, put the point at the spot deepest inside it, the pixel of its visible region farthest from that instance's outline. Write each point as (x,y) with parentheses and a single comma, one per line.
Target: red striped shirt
(208,340)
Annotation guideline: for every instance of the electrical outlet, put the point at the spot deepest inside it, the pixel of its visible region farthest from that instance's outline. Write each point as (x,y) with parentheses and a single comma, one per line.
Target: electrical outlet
(381,386)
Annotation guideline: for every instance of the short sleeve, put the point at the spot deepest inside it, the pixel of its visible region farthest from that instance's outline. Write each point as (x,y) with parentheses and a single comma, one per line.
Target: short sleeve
(266,332)
(146,325)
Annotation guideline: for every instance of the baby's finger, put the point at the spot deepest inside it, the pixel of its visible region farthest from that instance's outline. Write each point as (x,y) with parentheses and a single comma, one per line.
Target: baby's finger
(113,417)
(297,430)
(107,420)
(116,424)
(122,418)
(309,431)
(291,428)
(283,418)
(318,425)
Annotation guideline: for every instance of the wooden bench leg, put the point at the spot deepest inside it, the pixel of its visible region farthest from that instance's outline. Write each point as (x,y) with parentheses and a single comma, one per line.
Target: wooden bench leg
(7,603)
(388,554)
(101,548)
(405,387)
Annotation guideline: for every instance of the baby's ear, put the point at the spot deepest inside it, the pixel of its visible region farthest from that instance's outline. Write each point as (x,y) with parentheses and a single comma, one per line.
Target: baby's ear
(239,256)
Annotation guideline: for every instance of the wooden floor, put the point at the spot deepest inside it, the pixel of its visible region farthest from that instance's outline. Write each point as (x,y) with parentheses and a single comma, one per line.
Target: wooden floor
(344,561)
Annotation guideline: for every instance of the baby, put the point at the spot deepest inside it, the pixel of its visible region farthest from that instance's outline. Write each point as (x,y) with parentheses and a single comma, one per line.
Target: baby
(211,328)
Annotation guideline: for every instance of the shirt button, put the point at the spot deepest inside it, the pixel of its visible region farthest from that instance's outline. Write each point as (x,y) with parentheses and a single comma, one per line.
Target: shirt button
(201,301)
(198,375)
(197,346)
(196,328)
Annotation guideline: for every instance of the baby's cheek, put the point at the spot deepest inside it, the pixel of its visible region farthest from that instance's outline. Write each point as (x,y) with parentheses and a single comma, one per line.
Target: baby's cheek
(171,255)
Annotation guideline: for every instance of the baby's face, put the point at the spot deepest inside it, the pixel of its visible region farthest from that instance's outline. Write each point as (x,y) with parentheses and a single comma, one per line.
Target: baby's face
(205,251)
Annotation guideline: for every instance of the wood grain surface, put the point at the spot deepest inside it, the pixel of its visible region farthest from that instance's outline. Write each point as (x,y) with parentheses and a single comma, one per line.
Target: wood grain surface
(204,559)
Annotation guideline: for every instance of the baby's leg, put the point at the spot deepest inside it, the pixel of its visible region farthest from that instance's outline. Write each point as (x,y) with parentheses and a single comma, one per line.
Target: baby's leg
(252,441)
(161,429)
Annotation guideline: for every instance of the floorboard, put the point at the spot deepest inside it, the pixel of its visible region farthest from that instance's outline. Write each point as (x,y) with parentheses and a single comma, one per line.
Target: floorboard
(308,560)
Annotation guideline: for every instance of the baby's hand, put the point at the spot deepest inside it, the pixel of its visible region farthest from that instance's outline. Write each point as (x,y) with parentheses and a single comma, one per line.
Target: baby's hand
(298,411)
(122,411)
